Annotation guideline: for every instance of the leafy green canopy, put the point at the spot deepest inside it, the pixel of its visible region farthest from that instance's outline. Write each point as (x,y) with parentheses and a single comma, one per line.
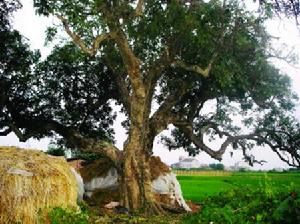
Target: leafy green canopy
(64,91)
(74,90)
(189,53)
(15,62)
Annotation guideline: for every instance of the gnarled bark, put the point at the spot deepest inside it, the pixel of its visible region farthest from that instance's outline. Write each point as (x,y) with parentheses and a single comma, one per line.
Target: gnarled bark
(136,180)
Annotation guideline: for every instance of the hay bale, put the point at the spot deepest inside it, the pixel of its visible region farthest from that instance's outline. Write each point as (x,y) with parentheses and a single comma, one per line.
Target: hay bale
(31,183)
(96,168)
(101,183)
(158,168)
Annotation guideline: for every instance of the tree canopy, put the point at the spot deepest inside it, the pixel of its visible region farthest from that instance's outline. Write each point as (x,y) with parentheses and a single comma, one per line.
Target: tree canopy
(176,56)
(75,89)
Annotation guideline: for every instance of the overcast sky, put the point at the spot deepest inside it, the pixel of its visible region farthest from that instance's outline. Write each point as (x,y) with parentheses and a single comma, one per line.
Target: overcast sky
(33,28)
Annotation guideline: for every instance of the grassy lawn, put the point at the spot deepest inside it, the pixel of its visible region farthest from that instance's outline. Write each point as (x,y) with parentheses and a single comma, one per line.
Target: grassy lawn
(197,187)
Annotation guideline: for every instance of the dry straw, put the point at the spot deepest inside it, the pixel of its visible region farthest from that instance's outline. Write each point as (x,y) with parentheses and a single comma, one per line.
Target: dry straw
(31,183)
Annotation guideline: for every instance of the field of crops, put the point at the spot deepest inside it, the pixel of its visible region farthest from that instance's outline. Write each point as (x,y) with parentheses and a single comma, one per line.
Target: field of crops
(196,186)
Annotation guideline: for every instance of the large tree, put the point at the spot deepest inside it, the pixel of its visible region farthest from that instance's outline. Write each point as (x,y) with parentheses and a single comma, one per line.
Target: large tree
(163,62)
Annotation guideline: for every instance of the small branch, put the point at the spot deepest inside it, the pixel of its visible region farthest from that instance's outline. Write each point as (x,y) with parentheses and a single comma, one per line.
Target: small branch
(187,128)
(98,40)
(208,123)
(156,69)
(5,132)
(283,159)
(122,84)
(78,41)
(196,106)
(277,148)
(250,158)
(162,117)
(22,137)
(154,72)
(205,72)
(139,8)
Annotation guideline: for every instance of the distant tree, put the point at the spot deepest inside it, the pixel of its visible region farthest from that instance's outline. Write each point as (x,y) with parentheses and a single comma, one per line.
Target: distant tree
(56,151)
(216,166)
(163,62)
(242,169)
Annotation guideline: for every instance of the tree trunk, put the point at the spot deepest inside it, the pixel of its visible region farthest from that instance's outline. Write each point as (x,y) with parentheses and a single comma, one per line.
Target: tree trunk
(136,179)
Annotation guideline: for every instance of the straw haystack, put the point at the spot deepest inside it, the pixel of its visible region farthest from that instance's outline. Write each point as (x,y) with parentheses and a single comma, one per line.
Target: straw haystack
(32,182)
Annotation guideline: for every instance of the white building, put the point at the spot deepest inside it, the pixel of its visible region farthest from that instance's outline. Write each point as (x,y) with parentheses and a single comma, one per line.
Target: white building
(187,163)
(278,169)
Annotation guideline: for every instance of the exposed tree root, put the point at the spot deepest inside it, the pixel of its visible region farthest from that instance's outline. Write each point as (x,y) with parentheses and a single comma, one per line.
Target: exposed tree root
(153,208)
(172,209)
(157,208)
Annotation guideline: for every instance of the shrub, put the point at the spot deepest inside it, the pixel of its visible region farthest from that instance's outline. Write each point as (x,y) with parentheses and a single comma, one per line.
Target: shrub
(217,166)
(60,215)
(56,151)
(250,205)
(88,156)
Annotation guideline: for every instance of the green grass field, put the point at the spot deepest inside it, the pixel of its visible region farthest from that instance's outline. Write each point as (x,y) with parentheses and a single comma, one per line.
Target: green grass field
(248,198)
(197,187)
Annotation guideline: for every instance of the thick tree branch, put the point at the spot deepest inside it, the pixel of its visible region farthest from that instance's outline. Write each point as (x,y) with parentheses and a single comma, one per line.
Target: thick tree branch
(79,42)
(131,62)
(23,137)
(71,135)
(205,72)
(85,144)
(12,127)
(187,129)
